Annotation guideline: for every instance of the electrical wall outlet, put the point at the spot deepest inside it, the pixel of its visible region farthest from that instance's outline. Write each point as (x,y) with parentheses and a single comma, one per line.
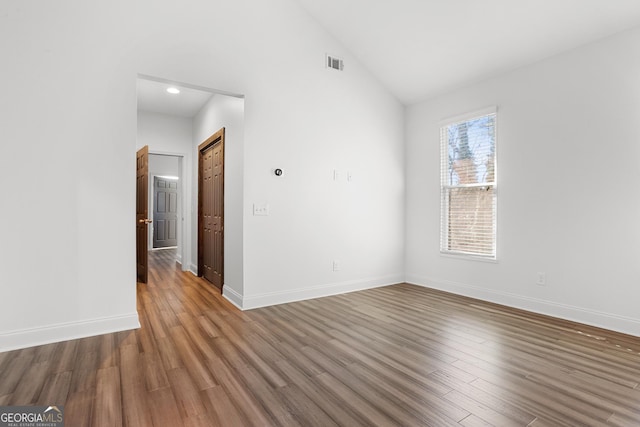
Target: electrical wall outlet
(336,265)
(260,209)
(542,279)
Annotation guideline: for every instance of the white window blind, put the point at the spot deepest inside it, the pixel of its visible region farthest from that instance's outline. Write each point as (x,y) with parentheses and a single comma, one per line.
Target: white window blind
(468,186)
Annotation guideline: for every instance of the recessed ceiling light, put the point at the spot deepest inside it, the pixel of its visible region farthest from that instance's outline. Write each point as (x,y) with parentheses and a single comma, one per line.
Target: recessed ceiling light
(173,90)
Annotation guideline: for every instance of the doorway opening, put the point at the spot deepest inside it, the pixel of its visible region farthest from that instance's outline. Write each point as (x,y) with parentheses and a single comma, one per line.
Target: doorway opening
(176,125)
(159,207)
(166,201)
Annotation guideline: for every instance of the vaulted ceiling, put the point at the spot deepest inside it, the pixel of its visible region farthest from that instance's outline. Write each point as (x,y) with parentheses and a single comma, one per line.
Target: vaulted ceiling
(421,48)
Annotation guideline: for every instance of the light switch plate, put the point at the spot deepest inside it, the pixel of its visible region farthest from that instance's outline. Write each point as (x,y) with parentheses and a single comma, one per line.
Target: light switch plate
(260,209)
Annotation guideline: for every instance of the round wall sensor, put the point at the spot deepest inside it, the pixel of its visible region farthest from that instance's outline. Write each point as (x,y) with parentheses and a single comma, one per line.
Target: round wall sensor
(278,172)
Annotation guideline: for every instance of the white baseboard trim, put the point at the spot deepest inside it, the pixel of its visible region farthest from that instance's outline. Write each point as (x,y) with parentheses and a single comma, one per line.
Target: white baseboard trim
(613,322)
(193,269)
(232,296)
(275,298)
(15,340)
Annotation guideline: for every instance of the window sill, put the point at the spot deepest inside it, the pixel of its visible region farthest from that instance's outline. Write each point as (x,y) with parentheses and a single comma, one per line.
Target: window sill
(468,257)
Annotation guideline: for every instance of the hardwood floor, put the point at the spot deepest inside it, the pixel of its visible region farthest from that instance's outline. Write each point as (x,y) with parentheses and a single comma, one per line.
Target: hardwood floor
(393,356)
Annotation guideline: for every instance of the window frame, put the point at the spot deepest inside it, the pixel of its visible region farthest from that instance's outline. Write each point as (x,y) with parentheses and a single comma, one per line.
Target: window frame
(445,187)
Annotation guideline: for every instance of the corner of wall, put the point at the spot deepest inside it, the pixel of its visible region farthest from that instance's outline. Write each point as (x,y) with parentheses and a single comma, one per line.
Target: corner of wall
(625,325)
(233,297)
(67,331)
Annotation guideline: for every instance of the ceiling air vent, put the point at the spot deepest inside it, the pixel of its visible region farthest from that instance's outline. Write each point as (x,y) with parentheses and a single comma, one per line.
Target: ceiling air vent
(335,63)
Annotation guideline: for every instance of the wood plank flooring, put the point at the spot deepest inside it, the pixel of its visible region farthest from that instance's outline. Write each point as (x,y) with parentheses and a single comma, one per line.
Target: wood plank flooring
(394,356)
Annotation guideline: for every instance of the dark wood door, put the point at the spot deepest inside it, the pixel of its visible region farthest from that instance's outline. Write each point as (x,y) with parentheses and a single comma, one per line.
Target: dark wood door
(142,212)
(218,214)
(207,214)
(165,212)
(211,209)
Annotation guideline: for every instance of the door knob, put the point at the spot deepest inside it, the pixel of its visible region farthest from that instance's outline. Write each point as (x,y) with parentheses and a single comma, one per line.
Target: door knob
(146,221)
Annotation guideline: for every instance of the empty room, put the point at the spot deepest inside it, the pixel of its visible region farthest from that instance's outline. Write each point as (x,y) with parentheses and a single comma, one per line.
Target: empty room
(299,213)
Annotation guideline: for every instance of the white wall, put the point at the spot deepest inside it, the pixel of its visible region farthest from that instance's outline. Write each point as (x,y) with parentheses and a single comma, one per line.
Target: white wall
(162,164)
(345,124)
(568,178)
(171,136)
(163,133)
(228,112)
(70,113)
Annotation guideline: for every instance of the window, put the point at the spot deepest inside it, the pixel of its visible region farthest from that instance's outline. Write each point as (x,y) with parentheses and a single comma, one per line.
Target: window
(468,186)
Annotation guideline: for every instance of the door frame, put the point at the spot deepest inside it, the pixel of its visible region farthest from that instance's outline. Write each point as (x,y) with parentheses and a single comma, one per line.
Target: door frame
(217,137)
(184,250)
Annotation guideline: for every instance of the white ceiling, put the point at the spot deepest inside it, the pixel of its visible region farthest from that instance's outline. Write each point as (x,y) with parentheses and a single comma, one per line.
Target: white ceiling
(153,96)
(421,48)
